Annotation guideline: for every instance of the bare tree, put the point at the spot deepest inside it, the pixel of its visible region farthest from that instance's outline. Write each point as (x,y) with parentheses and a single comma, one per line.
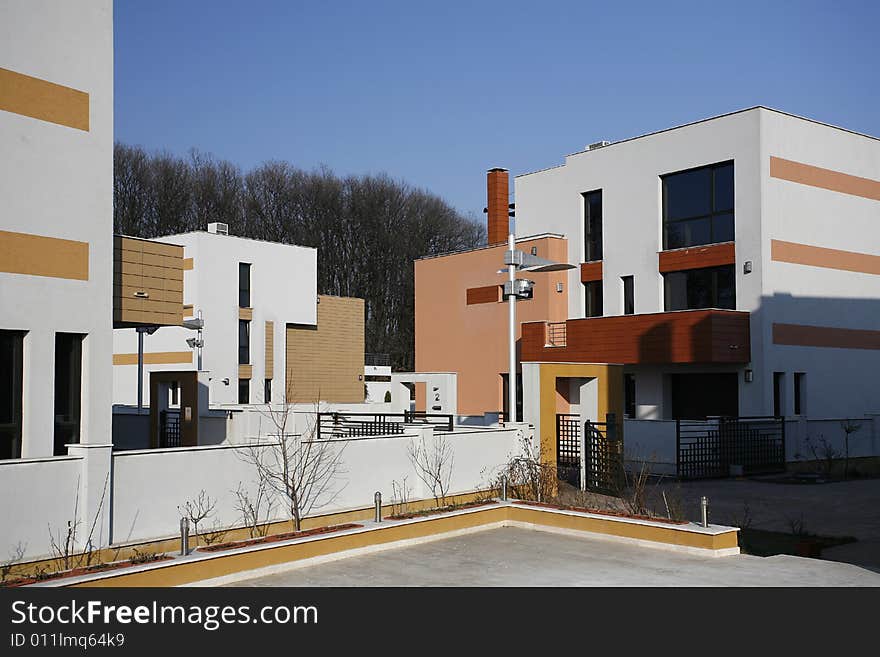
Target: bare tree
(255,511)
(64,546)
(303,470)
(197,510)
(16,554)
(849,427)
(433,464)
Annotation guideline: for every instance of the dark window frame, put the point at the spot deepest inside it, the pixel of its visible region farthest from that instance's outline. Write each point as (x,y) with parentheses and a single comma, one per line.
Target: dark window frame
(713,211)
(267,391)
(244,342)
(800,379)
(629,396)
(715,297)
(68,390)
(629,295)
(244,386)
(11,429)
(244,285)
(592,226)
(593,299)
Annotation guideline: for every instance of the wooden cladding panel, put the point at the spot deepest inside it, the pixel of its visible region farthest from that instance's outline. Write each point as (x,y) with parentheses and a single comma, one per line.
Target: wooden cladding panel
(148,282)
(591,271)
(697,257)
(326,362)
(246,313)
(270,350)
(155,358)
(698,336)
(487,294)
(245,371)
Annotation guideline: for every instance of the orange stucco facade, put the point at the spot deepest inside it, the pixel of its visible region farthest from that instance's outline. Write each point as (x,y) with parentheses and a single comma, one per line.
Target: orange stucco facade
(471,339)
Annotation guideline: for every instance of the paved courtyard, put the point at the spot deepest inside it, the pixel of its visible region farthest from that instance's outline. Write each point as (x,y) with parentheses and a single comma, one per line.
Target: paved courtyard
(522,557)
(846,508)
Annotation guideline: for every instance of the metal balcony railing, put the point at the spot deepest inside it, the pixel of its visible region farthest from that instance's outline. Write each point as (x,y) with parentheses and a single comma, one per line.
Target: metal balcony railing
(377,360)
(556,334)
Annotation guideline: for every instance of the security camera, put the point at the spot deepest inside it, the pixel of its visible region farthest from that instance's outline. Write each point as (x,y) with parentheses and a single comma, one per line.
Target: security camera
(191,343)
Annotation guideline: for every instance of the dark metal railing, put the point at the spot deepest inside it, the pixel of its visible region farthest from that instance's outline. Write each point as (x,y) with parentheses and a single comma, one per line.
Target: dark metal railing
(360,425)
(557,334)
(377,360)
(169,428)
(708,448)
(602,448)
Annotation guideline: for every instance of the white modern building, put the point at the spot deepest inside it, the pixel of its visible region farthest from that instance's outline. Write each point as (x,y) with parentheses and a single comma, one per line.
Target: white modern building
(56,233)
(245,292)
(732,265)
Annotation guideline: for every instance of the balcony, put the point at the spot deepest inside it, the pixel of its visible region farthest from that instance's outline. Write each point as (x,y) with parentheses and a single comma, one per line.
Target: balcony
(687,336)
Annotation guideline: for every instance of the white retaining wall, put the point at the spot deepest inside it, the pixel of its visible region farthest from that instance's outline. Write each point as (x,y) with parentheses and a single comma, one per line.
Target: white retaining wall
(39,496)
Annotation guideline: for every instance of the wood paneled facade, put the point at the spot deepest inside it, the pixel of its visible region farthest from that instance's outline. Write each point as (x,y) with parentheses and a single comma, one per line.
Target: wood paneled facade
(147,283)
(691,336)
(697,257)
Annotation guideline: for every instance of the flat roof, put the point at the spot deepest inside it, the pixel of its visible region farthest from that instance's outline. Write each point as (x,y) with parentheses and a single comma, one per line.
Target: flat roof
(527,238)
(237,237)
(711,118)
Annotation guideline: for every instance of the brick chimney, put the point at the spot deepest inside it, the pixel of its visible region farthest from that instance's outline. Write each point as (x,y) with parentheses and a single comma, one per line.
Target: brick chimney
(497,190)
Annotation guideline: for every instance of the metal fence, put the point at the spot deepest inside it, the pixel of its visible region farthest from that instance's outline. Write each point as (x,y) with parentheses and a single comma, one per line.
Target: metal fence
(603,450)
(726,446)
(360,425)
(568,450)
(557,334)
(377,360)
(169,428)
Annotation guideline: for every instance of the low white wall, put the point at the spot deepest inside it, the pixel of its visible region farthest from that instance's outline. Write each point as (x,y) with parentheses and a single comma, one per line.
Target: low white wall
(799,433)
(39,496)
(651,441)
(149,485)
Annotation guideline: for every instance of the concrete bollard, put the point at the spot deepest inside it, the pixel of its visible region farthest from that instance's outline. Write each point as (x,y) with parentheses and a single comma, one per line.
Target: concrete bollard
(184,536)
(503,488)
(704,508)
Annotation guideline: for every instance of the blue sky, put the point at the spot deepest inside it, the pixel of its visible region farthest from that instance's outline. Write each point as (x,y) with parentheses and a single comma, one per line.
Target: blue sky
(436,93)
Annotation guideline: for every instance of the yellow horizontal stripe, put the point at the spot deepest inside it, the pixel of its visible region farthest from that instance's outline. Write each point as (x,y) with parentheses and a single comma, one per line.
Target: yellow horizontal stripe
(38,255)
(40,99)
(154,358)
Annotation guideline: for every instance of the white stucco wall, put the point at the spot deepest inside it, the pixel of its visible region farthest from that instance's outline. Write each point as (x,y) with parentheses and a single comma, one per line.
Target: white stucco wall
(283,290)
(840,382)
(57,181)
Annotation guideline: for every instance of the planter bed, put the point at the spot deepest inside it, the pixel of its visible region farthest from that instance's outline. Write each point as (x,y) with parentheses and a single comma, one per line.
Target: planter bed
(84,570)
(614,514)
(274,538)
(440,509)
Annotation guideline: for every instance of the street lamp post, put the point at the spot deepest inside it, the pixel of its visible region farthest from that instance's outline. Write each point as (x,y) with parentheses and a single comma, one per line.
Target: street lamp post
(514,290)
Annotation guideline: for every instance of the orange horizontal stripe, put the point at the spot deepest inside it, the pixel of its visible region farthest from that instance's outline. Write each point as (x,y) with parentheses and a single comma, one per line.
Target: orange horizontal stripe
(44,100)
(836,181)
(155,358)
(818,256)
(801,335)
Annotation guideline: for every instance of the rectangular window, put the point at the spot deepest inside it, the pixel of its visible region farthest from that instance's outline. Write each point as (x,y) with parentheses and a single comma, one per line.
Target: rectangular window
(712,287)
(267,391)
(800,381)
(244,391)
(629,301)
(592,226)
(698,206)
(629,396)
(244,342)
(244,285)
(593,299)
(68,390)
(11,362)
(778,394)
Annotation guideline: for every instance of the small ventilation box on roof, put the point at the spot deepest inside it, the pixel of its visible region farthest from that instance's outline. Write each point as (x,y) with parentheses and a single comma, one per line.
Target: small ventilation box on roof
(597,144)
(218,228)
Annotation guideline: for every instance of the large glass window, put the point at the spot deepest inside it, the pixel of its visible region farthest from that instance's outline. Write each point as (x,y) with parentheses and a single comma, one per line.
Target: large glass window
(244,342)
(712,287)
(698,206)
(593,225)
(11,343)
(593,299)
(244,391)
(244,285)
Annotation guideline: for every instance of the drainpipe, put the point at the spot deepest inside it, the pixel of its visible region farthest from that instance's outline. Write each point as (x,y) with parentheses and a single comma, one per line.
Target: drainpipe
(140,370)
(511,329)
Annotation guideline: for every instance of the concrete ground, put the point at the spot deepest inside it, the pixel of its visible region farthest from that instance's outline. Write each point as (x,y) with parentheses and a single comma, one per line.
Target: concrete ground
(522,557)
(845,508)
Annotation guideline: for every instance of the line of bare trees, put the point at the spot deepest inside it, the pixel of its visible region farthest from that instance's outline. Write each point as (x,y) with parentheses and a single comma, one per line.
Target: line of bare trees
(368,229)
